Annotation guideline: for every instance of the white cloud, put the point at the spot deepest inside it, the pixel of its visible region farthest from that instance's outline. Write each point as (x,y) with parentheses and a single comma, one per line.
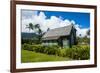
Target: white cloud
(81,32)
(52,22)
(26,14)
(39,19)
(72,21)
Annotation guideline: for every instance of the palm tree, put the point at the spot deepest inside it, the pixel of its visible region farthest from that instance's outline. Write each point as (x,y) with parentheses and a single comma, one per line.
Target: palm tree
(30,26)
(39,31)
(37,26)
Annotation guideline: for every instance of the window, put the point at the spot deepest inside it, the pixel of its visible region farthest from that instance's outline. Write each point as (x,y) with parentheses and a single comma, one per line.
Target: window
(65,42)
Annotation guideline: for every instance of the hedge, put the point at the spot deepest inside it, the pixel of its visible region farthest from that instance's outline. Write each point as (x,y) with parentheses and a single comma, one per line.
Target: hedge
(27,47)
(77,52)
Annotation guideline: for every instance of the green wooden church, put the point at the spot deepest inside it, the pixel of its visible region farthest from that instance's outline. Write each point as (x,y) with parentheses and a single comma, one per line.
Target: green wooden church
(63,36)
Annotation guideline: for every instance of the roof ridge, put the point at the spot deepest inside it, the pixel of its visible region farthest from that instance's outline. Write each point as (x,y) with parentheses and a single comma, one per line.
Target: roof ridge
(59,27)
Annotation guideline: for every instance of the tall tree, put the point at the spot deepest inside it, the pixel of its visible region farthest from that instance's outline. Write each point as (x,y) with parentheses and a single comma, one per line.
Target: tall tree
(39,32)
(37,29)
(30,26)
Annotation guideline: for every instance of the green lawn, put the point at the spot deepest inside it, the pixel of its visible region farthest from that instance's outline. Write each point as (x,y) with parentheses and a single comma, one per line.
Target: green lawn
(30,56)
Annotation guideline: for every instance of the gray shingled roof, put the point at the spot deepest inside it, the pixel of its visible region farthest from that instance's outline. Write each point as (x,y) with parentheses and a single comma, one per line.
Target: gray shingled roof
(57,32)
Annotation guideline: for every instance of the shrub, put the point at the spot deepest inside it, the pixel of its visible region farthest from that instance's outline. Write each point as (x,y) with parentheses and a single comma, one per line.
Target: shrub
(27,47)
(84,52)
(78,52)
(62,52)
(53,50)
(38,48)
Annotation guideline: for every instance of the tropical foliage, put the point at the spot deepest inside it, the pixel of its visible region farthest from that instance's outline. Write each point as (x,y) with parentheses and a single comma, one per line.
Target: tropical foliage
(37,29)
(78,52)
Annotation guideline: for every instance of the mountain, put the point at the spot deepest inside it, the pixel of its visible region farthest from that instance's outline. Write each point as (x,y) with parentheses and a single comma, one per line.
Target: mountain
(25,35)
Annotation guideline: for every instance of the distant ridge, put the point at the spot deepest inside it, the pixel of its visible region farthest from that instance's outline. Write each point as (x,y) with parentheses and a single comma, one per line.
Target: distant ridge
(25,35)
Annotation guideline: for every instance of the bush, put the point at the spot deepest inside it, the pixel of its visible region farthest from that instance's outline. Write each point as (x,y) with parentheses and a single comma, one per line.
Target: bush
(27,47)
(78,52)
(52,50)
(38,48)
(62,52)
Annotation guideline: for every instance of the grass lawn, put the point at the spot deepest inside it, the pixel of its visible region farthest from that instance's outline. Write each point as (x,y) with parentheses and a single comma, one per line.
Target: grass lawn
(30,56)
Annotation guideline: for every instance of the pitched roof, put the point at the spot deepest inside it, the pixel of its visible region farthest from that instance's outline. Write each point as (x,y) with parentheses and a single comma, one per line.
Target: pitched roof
(57,32)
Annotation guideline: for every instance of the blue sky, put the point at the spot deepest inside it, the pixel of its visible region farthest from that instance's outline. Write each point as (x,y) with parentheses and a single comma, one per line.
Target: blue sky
(53,19)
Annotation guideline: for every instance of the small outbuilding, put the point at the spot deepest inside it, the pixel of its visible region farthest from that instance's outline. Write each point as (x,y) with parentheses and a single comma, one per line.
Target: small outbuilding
(63,36)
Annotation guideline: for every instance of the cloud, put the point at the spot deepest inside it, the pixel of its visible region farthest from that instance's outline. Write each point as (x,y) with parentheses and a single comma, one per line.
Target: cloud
(72,21)
(26,14)
(52,22)
(34,19)
(39,19)
(81,32)
(25,22)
